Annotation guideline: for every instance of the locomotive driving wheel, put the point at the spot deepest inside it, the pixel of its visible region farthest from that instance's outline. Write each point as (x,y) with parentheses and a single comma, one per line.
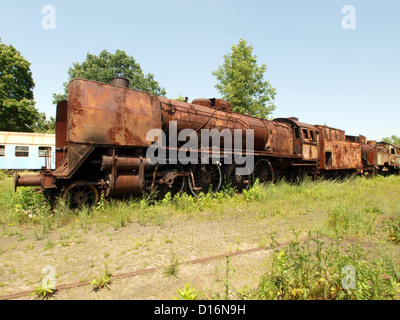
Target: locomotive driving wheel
(205,178)
(263,171)
(172,181)
(238,181)
(80,193)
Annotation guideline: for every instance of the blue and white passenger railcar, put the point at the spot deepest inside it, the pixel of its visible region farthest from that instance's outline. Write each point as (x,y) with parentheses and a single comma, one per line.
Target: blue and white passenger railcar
(26,151)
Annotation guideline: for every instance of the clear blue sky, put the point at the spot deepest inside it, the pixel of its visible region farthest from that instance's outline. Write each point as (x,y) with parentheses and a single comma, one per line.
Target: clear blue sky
(324,74)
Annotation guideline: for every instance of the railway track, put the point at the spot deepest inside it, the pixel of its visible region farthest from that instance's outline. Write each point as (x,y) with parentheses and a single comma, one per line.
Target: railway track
(154,269)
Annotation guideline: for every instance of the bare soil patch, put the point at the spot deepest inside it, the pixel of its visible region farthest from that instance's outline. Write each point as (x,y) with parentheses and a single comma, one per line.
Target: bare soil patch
(79,255)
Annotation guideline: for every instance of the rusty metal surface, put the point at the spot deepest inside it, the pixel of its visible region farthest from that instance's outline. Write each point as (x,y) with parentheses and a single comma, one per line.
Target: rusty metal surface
(123,163)
(120,82)
(48,180)
(197,117)
(104,114)
(125,184)
(218,104)
(393,152)
(303,138)
(375,155)
(61,131)
(269,136)
(280,138)
(395,157)
(30,180)
(77,153)
(338,152)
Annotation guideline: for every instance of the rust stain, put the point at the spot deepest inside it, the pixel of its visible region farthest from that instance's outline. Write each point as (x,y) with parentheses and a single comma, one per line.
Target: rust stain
(338,151)
(108,115)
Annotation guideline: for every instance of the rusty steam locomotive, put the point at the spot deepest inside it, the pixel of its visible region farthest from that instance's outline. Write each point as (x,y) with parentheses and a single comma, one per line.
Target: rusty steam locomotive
(102,142)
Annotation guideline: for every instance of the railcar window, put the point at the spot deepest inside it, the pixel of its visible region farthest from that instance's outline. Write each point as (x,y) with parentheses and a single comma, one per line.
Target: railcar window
(22,151)
(312,136)
(2,151)
(393,151)
(44,151)
(305,134)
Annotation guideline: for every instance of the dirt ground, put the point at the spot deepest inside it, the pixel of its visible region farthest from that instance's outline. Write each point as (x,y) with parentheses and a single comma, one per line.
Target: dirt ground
(78,255)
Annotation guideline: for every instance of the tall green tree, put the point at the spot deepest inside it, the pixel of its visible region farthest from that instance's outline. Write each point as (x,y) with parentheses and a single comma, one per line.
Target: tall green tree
(393,139)
(42,125)
(105,66)
(241,82)
(17,107)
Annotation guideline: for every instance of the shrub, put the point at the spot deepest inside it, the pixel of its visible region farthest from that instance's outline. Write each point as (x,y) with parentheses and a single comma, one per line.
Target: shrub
(30,206)
(253,193)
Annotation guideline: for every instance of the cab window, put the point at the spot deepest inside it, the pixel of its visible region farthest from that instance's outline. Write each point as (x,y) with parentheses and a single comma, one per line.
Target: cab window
(296,133)
(305,134)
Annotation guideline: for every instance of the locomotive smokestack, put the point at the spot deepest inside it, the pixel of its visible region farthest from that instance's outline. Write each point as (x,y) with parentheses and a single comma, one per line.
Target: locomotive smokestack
(120,82)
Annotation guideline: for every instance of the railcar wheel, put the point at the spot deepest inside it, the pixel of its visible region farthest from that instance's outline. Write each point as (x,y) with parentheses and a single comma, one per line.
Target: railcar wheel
(79,193)
(263,171)
(206,178)
(238,181)
(173,183)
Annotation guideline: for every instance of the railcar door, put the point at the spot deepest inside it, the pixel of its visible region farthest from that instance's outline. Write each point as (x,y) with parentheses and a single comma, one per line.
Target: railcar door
(296,140)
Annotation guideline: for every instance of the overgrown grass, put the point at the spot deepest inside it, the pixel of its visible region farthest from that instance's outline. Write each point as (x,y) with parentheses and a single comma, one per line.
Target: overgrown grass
(315,270)
(357,206)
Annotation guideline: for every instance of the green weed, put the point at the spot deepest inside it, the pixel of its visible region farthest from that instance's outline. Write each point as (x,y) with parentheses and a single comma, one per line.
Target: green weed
(315,271)
(45,290)
(226,280)
(172,269)
(102,281)
(187,293)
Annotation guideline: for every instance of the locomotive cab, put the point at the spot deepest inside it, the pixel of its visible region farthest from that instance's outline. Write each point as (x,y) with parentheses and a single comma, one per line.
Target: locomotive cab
(305,138)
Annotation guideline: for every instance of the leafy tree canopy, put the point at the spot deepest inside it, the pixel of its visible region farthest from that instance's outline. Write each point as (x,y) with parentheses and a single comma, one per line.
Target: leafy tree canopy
(43,125)
(241,82)
(393,140)
(17,107)
(106,66)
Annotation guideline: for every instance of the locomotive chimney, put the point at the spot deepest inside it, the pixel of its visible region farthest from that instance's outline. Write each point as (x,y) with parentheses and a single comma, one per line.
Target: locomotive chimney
(120,82)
